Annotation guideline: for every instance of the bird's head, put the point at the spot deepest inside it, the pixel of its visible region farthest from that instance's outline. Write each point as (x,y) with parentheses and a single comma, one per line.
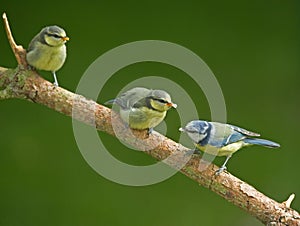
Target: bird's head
(160,100)
(197,130)
(54,36)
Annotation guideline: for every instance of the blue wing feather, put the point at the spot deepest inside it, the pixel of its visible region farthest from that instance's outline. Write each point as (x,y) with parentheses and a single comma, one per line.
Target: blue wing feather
(223,134)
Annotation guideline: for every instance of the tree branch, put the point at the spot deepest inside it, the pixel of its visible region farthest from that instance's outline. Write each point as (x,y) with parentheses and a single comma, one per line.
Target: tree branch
(19,52)
(26,84)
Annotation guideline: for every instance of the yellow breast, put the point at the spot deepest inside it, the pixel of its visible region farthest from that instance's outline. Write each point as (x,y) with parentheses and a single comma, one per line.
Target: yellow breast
(47,58)
(142,118)
(224,151)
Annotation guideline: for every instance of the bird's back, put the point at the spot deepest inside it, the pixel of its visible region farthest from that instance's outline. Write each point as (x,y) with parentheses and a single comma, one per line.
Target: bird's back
(132,98)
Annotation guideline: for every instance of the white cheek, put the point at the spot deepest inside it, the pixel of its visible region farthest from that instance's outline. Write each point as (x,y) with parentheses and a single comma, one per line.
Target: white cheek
(197,137)
(53,41)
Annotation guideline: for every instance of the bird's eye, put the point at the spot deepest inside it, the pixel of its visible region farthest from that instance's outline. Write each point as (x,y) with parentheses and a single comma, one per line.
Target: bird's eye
(163,101)
(160,100)
(54,35)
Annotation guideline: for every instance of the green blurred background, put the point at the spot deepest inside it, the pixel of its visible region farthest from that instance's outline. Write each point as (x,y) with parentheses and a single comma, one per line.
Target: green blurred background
(253,48)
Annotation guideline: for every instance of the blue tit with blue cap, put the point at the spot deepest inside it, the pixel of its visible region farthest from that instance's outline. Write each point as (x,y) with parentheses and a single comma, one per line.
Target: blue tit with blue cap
(143,108)
(221,139)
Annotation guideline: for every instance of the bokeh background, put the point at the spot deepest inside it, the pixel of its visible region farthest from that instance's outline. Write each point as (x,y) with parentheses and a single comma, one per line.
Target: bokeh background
(253,48)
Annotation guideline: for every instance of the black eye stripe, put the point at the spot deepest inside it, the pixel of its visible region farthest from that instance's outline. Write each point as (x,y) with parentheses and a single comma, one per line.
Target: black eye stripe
(54,35)
(160,100)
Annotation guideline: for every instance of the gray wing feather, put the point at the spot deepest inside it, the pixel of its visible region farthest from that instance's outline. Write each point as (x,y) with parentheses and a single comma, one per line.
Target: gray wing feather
(224,134)
(244,131)
(131,97)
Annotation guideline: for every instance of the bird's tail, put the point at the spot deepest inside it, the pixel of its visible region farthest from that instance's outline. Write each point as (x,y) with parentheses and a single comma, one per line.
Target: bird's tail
(262,142)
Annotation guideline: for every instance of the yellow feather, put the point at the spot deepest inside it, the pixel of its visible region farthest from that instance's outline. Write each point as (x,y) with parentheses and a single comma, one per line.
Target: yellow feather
(224,151)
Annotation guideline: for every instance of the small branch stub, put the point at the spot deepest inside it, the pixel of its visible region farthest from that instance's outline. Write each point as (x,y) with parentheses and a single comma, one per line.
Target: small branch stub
(18,50)
(289,201)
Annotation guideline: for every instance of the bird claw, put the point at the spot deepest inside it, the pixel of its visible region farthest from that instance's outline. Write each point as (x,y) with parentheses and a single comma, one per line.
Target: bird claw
(196,151)
(192,152)
(31,68)
(55,84)
(220,170)
(150,130)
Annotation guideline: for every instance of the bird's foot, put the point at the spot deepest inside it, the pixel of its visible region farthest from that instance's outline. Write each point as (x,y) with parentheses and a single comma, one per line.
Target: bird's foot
(55,79)
(150,130)
(196,151)
(190,152)
(220,170)
(31,68)
(55,84)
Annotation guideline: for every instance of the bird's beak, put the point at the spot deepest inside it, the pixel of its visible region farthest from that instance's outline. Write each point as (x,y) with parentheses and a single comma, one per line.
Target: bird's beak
(181,129)
(65,38)
(171,105)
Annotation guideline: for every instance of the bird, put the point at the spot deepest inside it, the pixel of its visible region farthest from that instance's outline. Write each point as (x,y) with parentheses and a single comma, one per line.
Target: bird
(143,108)
(47,50)
(221,139)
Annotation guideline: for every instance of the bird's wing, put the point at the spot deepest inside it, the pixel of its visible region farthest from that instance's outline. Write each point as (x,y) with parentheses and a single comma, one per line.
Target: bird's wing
(32,44)
(244,131)
(132,98)
(34,41)
(224,134)
(234,137)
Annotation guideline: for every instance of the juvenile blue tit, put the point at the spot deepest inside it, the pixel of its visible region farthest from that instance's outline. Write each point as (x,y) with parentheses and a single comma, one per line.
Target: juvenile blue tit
(222,139)
(47,50)
(143,108)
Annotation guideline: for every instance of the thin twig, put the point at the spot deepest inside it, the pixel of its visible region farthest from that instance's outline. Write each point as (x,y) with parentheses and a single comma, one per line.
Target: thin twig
(18,50)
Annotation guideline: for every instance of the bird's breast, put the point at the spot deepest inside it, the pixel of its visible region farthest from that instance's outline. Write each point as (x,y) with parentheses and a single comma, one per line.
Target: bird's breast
(48,58)
(221,151)
(142,118)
